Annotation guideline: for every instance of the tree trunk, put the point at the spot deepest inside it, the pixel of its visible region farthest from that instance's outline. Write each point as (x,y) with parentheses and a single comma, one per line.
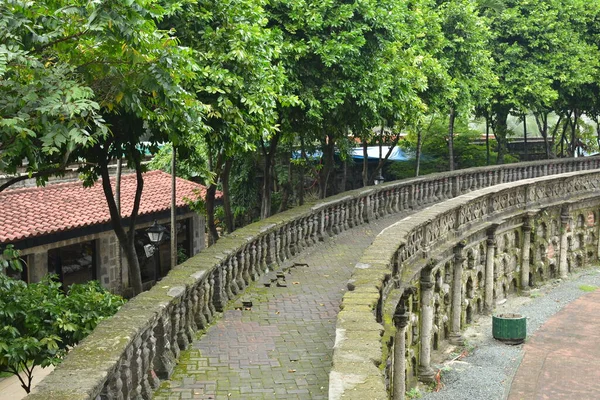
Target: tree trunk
(365,169)
(229,222)
(301,173)
(541,119)
(126,240)
(325,172)
(451,138)
(213,234)
(269,155)
(382,161)
(418,154)
(525,136)
(286,187)
(211,191)
(345,176)
(500,131)
(487,140)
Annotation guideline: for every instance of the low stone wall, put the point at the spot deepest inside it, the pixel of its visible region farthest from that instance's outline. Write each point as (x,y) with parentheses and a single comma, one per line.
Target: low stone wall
(127,355)
(425,277)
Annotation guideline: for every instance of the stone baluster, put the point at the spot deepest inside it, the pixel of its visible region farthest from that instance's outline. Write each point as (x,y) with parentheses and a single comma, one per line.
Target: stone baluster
(292,229)
(269,250)
(426,373)
(305,232)
(201,310)
(312,229)
(255,259)
(231,283)
(459,259)
(525,249)
(352,212)
(244,277)
(456,186)
(113,389)
(347,211)
(219,288)
(126,371)
(137,374)
(209,290)
(287,241)
(489,270)
(401,321)
(396,204)
(164,361)
(565,219)
(152,377)
(179,330)
(146,388)
(278,246)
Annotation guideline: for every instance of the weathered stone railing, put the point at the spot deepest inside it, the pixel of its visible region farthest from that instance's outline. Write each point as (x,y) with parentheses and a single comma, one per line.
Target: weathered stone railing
(127,355)
(426,276)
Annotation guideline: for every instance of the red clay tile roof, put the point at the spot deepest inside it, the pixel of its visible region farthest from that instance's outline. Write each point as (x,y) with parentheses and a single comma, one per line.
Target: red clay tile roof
(37,211)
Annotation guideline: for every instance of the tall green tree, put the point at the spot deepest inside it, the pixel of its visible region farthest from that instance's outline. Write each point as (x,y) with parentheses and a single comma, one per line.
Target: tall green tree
(538,48)
(124,80)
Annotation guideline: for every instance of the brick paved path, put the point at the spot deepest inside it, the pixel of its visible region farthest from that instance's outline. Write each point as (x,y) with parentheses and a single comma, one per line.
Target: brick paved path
(281,348)
(562,359)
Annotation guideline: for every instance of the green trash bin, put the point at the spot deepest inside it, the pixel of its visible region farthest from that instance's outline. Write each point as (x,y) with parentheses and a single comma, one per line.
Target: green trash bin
(509,328)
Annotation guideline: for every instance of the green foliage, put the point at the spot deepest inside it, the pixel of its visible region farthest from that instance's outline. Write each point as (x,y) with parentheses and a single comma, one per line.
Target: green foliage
(39,322)
(588,288)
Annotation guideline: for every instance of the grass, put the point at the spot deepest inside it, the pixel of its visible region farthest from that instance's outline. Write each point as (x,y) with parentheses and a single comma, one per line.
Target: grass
(588,288)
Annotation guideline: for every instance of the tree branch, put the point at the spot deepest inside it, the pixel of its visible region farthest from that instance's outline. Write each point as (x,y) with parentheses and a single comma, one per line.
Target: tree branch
(48,172)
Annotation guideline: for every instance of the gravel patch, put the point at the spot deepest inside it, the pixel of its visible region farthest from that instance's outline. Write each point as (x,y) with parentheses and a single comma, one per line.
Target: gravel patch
(487,371)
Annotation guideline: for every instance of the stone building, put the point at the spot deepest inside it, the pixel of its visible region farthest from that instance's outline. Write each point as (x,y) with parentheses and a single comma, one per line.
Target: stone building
(65,229)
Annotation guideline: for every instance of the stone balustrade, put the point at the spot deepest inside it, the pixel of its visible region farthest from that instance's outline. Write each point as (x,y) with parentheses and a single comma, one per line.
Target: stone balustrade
(426,276)
(127,355)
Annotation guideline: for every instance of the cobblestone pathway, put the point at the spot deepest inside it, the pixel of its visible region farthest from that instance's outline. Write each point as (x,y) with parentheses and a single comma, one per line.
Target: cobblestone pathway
(281,348)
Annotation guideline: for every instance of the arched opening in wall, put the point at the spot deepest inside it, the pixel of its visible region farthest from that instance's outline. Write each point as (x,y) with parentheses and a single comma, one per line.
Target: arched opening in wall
(470,259)
(447,299)
(592,238)
(579,261)
(480,282)
(570,243)
(415,334)
(504,266)
(590,255)
(530,279)
(580,221)
(580,241)
(438,280)
(505,243)
(540,273)
(531,255)
(436,340)
(552,269)
(447,273)
(469,316)
(513,285)
(555,229)
(413,363)
(542,252)
(517,239)
(469,289)
(446,331)
(479,306)
(481,254)
(542,231)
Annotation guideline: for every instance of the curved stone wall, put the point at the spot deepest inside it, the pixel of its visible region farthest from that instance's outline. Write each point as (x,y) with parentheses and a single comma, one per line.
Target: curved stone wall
(426,276)
(127,355)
